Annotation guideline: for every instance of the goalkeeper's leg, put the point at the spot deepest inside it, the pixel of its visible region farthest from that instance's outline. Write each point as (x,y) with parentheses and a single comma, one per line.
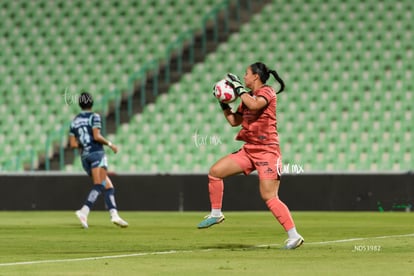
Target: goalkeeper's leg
(268,190)
(226,166)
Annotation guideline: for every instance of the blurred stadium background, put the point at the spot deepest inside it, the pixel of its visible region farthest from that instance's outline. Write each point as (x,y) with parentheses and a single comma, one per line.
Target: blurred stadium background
(151,65)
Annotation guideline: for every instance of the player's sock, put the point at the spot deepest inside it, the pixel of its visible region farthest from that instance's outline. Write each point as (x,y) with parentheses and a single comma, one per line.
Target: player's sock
(93,195)
(85,210)
(292,233)
(216,189)
(216,213)
(113,212)
(110,198)
(281,212)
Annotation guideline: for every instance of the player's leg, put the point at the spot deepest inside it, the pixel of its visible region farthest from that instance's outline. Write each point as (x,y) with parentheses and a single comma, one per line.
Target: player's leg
(95,165)
(89,163)
(99,186)
(269,193)
(268,168)
(99,175)
(109,196)
(223,168)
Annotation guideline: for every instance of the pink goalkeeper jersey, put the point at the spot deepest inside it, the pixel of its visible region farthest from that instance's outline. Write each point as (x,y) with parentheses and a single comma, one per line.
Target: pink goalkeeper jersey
(259,127)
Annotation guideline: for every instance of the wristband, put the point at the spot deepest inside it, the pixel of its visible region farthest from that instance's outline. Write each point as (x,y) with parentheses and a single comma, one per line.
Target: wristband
(240,90)
(224,106)
(109,144)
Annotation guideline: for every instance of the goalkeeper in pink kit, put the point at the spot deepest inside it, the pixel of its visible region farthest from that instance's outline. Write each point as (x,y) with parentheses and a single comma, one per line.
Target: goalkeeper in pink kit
(257,116)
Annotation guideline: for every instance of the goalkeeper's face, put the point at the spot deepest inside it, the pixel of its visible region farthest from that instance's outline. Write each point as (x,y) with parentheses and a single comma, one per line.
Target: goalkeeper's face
(250,78)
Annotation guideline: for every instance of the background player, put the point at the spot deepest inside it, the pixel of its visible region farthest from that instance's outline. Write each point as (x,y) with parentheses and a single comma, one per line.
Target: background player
(85,134)
(257,116)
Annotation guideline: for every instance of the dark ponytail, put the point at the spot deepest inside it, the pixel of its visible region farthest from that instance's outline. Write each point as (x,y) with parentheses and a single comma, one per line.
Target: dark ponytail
(264,73)
(279,80)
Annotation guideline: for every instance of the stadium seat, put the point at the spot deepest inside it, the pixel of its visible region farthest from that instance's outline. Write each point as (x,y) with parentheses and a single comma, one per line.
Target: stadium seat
(96,51)
(338,107)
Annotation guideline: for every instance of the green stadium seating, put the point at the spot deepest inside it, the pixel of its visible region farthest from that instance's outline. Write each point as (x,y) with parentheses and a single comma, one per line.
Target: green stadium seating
(48,47)
(346,64)
(338,112)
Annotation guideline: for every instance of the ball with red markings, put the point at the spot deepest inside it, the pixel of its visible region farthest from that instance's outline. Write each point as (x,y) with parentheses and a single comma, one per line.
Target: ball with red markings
(224,92)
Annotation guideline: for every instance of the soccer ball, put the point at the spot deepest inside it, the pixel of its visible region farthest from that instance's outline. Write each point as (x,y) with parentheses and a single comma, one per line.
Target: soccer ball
(224,92)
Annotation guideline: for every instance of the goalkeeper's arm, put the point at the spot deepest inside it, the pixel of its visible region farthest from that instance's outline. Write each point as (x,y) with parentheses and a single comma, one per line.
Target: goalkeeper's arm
(252,103)
(235,82)
(234,119)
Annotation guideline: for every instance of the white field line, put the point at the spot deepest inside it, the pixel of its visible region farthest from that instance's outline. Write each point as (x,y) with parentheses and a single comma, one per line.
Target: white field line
(345,240)
(363,239)
(189,251)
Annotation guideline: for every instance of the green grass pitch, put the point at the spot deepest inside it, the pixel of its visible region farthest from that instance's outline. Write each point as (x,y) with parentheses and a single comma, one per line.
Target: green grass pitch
(168,243)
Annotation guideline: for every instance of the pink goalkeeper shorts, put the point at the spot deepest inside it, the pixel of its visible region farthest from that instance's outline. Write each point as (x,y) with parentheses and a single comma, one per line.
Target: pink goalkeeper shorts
(266,159)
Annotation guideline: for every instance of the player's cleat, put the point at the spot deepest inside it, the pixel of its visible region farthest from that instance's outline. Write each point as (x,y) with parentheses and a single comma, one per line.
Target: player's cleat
(115,219)
(294,243)
(210,221)
(82,218)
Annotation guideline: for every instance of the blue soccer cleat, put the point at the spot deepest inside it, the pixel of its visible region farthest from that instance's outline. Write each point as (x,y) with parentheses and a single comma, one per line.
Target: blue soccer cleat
(210,221)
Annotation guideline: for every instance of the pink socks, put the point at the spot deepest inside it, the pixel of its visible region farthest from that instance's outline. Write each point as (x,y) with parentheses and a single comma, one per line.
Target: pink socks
(281,212)
(216,189)
(277,207)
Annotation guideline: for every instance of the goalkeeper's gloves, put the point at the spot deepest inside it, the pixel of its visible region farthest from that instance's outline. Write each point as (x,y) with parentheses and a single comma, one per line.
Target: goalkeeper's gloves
(235,82)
